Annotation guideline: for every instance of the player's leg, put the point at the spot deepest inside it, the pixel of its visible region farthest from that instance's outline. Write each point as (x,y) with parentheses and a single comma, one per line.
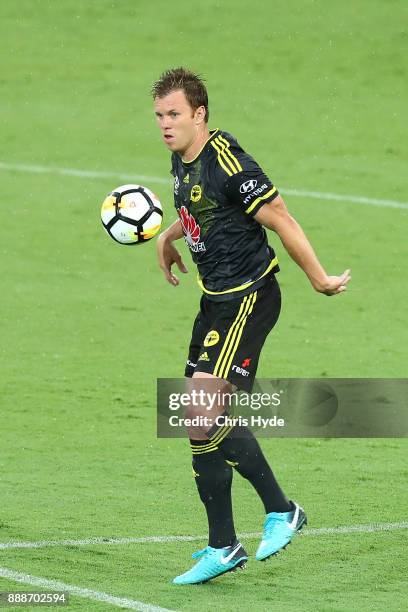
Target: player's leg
(283,518)
(236,338)
(237,359)
(213,478)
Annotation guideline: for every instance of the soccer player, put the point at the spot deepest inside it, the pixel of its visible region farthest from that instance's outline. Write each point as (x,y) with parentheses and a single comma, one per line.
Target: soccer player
(224,200)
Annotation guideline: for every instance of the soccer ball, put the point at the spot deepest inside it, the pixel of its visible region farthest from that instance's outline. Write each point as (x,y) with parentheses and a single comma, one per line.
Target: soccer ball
(131,214)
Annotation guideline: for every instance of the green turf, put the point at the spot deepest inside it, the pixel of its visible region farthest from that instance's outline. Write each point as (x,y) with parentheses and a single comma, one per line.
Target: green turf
(316,92)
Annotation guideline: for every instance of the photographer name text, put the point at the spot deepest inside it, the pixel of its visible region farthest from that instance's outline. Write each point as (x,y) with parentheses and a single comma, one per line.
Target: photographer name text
(205,421)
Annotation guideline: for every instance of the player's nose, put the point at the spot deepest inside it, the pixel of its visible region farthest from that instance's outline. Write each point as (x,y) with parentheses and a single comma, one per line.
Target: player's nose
(165,123)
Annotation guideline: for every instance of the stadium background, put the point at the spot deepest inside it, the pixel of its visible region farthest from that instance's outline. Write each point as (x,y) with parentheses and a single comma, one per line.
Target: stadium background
(317,92)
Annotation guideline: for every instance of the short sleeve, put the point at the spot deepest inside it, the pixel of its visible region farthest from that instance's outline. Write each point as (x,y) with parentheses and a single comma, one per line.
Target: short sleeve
(250,188)
(244,182)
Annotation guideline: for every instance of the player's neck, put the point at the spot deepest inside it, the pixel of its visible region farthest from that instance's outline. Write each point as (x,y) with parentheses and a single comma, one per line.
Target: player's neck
(196,146)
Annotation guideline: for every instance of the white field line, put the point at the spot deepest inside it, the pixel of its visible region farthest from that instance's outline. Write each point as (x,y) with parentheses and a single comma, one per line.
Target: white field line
(83,173)
(56,585)
(95,174)
(322,531)
(317,195)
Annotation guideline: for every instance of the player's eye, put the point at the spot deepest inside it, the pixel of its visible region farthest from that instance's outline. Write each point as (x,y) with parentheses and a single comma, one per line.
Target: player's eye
(173,114)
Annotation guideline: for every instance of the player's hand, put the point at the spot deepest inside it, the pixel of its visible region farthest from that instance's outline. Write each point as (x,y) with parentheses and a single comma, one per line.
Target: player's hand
(335,284)
(168,255)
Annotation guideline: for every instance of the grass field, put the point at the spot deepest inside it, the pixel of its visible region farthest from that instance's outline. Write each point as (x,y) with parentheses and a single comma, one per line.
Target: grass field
(317,92)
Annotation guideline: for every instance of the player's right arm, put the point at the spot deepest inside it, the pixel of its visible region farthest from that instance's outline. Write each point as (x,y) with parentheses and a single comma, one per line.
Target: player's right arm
(168,254)
(245,184)
(275,216)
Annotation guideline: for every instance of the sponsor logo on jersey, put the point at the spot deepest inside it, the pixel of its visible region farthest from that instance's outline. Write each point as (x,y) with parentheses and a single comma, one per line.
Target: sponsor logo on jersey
(176,185)
(240,370)
(255,193)
(204,357)
(195,193)
(248,186)
(191,230)
(190,363)
(186,179)
(211,338)
(198,248)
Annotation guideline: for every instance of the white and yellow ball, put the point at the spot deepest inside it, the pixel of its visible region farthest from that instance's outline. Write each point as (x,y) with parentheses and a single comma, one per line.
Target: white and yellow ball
(131,214)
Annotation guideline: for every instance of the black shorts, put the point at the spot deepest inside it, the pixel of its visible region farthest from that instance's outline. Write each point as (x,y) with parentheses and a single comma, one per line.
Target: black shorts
(228,336)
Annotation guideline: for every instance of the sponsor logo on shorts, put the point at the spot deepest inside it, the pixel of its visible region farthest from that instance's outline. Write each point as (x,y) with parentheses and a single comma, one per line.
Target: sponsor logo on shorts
(240,370)
(204,357)
(246,362)
(211,338)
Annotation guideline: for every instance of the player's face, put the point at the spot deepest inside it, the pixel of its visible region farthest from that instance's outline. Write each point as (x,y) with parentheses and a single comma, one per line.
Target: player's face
(178,122)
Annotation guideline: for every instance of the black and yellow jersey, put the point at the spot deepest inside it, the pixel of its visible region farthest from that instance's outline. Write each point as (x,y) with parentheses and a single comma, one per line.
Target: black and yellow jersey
(216,196)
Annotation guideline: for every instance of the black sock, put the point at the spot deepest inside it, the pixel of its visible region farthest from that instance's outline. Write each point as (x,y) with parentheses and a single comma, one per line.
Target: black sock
(239,446)
(213,478)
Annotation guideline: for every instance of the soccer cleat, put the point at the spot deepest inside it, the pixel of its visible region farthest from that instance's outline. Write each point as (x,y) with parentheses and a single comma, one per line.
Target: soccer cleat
(213,562)
(279,529)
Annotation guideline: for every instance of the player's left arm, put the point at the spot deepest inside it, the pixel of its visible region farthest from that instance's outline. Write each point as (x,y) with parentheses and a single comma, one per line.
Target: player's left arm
(275,216)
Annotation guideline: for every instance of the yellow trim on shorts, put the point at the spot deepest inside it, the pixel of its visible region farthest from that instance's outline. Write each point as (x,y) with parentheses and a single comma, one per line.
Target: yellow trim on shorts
(234,334)
(239,330)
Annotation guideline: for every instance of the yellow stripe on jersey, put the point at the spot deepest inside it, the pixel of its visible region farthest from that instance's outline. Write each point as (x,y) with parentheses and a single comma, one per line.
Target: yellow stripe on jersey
(274,262)
(228,151)
(228,161)
(223,160)
(255,202)
(220,159)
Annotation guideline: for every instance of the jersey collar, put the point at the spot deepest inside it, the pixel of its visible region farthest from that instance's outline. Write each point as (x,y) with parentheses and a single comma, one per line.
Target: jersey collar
(211,136)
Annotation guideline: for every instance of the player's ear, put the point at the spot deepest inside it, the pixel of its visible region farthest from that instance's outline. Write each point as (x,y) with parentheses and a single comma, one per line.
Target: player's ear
(199,115)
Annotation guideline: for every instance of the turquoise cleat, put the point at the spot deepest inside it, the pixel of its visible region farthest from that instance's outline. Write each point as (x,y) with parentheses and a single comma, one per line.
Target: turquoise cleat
(213,562)
(279,529)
